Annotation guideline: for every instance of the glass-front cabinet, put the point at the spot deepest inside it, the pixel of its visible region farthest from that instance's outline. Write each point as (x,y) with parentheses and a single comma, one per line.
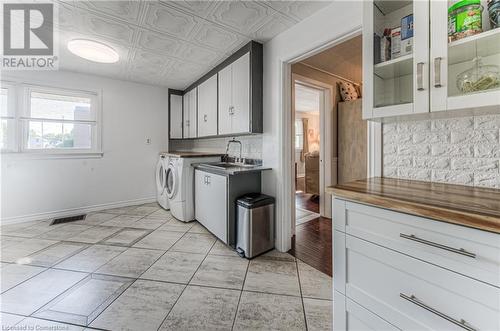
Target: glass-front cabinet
(423,56)
(465,54)
(395,57)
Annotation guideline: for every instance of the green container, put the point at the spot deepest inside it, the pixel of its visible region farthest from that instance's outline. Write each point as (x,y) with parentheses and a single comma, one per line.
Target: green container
(465,19)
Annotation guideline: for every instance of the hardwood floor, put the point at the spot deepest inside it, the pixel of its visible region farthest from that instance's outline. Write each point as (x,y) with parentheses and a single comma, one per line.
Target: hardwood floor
(312,244)
(307,202)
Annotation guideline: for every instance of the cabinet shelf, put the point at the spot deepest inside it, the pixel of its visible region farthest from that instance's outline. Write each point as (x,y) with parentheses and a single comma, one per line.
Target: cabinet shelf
(397,67)
(482,44)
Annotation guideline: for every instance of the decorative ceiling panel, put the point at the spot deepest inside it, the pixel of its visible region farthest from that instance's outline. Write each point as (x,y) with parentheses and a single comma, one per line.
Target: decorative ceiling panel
(169,20)
(172,43)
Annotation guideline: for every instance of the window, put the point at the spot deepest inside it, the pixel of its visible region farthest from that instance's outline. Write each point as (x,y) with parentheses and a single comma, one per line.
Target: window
(299,134)
(8,124)
(52,121)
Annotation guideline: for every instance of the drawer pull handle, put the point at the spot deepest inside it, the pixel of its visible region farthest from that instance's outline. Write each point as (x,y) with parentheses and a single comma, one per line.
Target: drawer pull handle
(460,251)
(461,323)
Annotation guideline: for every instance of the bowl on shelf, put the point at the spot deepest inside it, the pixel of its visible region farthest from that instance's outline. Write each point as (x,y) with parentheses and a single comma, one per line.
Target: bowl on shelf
(479,78)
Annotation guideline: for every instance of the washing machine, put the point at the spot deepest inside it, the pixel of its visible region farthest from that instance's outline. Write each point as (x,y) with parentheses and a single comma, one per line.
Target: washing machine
(180,185)
(161,181)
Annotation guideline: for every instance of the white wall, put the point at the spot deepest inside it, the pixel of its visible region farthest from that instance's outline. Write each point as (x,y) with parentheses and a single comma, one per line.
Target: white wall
(327,25)
(125,174)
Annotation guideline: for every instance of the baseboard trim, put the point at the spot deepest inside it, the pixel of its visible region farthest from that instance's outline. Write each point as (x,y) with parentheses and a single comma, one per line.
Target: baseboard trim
(72,211)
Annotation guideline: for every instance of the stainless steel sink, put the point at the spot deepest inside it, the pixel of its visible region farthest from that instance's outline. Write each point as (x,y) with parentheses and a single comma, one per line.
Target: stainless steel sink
(227,165)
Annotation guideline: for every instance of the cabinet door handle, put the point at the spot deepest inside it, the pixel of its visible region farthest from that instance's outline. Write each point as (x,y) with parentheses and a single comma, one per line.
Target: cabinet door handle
(187,123)
(205,118)
(420,76)
(460,251)
(461,323)
(208,180)
(437,72)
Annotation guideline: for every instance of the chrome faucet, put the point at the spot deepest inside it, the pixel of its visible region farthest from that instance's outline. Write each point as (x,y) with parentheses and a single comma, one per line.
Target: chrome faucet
(236,142)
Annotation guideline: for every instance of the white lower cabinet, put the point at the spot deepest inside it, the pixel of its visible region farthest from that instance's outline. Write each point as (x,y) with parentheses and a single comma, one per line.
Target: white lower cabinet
(211,203)
(409,284)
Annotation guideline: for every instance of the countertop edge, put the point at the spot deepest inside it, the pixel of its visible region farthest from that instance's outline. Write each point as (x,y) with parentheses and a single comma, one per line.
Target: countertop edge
(443,214)
(229,172)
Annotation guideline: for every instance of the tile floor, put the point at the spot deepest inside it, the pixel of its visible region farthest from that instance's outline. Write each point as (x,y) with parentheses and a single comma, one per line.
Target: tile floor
(137,268)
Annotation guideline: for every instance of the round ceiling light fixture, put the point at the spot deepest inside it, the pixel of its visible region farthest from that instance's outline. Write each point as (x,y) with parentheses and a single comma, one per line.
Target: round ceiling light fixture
(93,51)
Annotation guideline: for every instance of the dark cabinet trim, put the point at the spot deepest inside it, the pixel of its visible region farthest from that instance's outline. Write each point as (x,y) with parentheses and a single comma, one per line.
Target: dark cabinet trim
(174,92)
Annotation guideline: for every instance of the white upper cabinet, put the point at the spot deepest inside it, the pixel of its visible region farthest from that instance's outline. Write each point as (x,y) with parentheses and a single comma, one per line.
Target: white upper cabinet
(451,55)
(234,97)
(207,107)
(225,100)
(190,114)
(395,58)
(241,94)
(414,53)
(176,124)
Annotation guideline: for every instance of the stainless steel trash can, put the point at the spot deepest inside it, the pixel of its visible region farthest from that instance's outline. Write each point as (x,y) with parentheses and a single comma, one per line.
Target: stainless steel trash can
(255,224)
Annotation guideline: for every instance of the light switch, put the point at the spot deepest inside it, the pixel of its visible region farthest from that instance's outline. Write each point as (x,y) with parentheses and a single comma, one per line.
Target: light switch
(148,141)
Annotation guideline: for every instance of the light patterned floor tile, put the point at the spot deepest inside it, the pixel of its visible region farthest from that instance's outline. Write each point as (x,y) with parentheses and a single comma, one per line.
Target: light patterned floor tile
(203,308)
(14,274)
(23,248)
(92,258)
(131,263)
(143,306)
(126,237)
(318,314)
(95,234)
(203,243)
(159,240)
(272,276)
(314,283)
(221,271)
(176,267)
(34,293)
(262,311)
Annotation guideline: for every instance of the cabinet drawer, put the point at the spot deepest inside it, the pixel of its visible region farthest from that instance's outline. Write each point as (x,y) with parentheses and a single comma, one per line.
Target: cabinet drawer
(414,295)
(348,315)
(471,252)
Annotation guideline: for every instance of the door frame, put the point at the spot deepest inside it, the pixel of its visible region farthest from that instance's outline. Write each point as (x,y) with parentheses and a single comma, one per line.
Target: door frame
(286,192)
(326,157)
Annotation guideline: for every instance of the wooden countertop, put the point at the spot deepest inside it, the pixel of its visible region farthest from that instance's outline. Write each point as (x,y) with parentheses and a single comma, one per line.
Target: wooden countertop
(464,205)
(190,154)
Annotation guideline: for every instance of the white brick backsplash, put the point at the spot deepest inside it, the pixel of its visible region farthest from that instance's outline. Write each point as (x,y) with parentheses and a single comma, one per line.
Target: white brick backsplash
(474,137)
(453,177)
(434,137)
(398,161)
(452,150)
(461,150)
(478,165)
(463,123)
(487,180)
(487,122)
(414,150)
(487,151)
(416,174)
(414,126)
(432,163)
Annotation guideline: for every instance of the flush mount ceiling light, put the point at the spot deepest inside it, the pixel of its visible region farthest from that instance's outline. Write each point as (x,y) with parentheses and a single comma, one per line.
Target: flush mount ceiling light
(93,51)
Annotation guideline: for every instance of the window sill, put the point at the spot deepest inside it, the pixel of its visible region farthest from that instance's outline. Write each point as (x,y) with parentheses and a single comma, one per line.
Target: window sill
(49,155)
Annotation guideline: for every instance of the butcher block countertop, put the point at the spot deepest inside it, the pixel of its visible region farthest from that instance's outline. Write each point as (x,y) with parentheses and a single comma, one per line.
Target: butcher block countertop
(474,207)
(190,154)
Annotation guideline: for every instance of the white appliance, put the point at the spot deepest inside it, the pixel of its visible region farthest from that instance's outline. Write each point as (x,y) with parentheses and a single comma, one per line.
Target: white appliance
(180,185)
(161,181)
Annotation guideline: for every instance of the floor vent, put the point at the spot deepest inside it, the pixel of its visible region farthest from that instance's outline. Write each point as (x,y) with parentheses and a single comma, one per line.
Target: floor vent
(68,219)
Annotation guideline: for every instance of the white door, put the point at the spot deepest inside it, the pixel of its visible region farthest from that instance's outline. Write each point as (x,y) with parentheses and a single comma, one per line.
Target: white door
(176,116)
(185,110)
(241,94)
(225,100)
(193,112)
(211,203)
(207,107)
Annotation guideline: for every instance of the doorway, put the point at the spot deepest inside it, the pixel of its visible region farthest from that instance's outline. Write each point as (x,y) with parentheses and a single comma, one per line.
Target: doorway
(337,153)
